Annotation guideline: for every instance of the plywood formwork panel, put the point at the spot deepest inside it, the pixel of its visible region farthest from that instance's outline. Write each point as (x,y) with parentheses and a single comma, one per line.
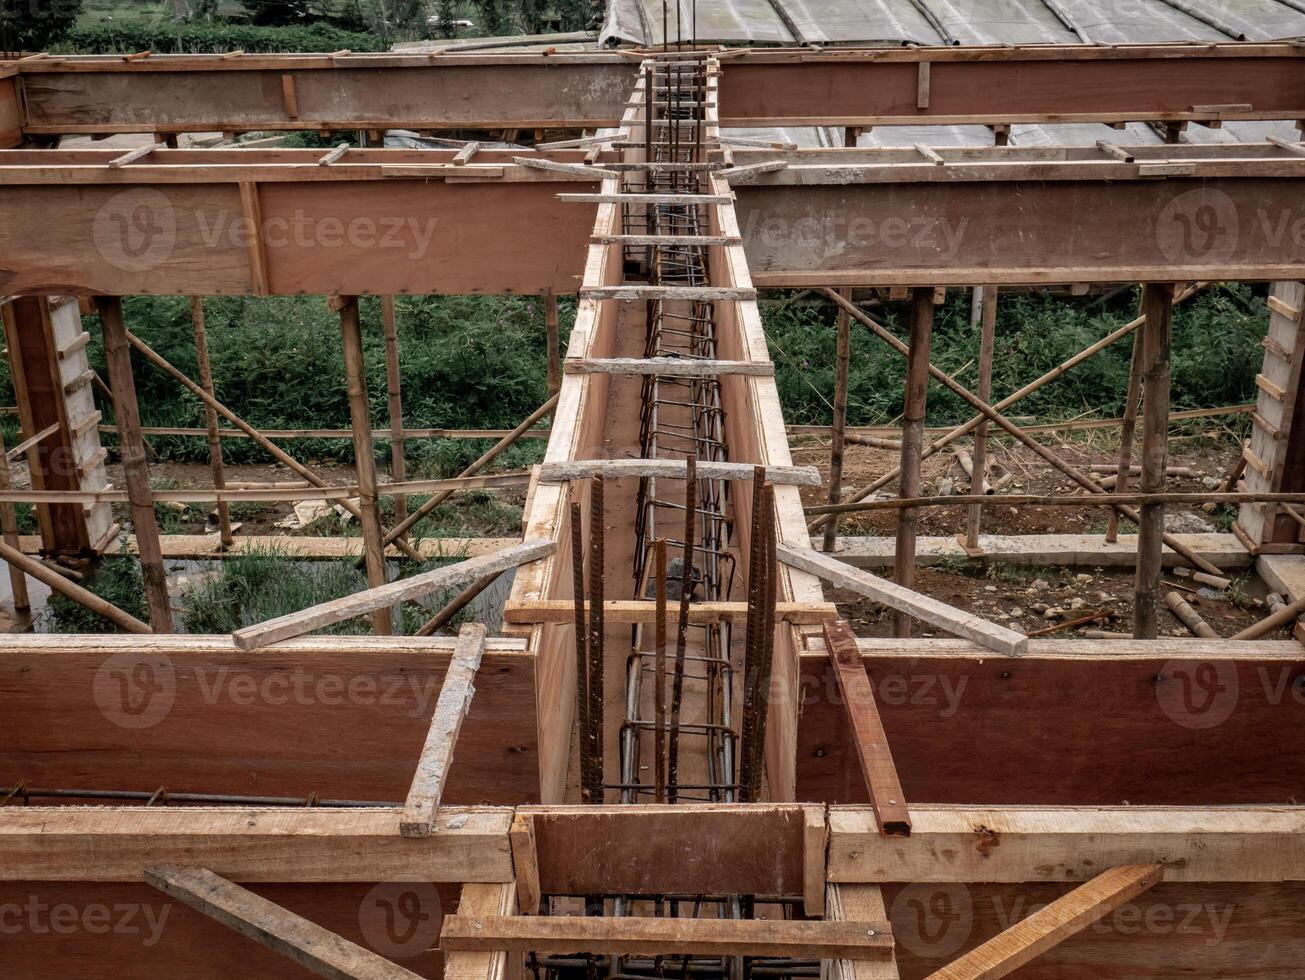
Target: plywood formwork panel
(993,730)
(343,718)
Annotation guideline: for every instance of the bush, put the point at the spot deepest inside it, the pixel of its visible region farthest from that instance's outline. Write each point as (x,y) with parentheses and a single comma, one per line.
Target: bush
(201,38)
(118,580)
(33,25)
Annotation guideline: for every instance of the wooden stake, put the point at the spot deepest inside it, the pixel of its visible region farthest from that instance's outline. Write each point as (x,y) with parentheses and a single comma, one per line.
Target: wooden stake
(917,391)
(979,463)
(136,471)
(9,524)
(554,343)
(1157,310)
(842,366)
(394,389)
(364,457)
(1127,430)
(210,417)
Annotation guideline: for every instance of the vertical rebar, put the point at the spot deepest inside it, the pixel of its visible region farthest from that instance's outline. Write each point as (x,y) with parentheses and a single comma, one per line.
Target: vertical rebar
(682,627)
(756,571)
(659,661)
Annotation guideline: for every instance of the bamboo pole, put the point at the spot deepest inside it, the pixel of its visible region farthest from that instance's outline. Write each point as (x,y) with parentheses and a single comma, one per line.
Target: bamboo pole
(917,393)
(993,415)
(1102,499)
(211,417)
(553,329)
(456,605)
(364,457)
(1127,430)
(136,473)
(1009,400)
(1157,309)
(394,390)
(9,523)
(979,462)
(1264,627)
(841,371)
(473,469)
(276,452)
(73,591)
(1190,618)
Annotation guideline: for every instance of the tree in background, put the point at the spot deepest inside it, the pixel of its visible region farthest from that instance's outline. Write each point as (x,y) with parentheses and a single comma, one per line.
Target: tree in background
(32,25)
(281,12)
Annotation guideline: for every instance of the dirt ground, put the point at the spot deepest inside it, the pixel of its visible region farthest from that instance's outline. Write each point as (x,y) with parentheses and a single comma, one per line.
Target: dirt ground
(1030,598)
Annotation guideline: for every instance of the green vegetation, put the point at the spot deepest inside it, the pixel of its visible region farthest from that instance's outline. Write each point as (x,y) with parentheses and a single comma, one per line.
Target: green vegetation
(198,37)
(117,580)
(1216,354)
(28,25)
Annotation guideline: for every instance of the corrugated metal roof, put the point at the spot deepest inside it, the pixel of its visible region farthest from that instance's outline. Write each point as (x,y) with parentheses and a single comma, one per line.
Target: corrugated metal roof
(947,21)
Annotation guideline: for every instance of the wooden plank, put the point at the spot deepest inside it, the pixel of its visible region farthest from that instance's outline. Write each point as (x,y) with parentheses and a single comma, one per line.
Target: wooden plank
(890,594)
(971,844)
(480,899)
(667,293)
(1279,306)
(625,611)
(338,610)
(881,780)
(525,862)
(615,469)
(669,367)
(454,702)
(647,198)
(659,937)
(268,924)
(64,843)
(1053,924)
(577,170)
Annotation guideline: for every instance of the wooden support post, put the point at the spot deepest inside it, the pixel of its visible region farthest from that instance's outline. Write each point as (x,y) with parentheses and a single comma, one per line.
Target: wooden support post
(268,924)
(136,473)
(9,524)
(1157,309)
(364,456)
(1053,924)
(73,591)
(1127,431)
(842,357)
(858,903)
(525,862)
(979,464)
(881,780)
(554,341)
(917,391)
(437,753)
(394,389)
(482,899)
(211,417)
(815,842)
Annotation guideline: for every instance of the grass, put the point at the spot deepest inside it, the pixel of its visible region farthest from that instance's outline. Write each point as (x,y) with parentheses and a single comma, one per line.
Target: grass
(118,580)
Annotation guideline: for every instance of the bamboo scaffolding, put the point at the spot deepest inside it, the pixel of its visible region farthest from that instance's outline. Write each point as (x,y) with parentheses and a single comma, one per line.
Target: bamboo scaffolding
(9,524)
(1047,455)
(917,393)
(210,416)
(979,461)
(277,452)
(1016,396)
(1127,433)
(364,458)
(1157,333)
(1060,500)
(394,393)
(73,591)
(841,372)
